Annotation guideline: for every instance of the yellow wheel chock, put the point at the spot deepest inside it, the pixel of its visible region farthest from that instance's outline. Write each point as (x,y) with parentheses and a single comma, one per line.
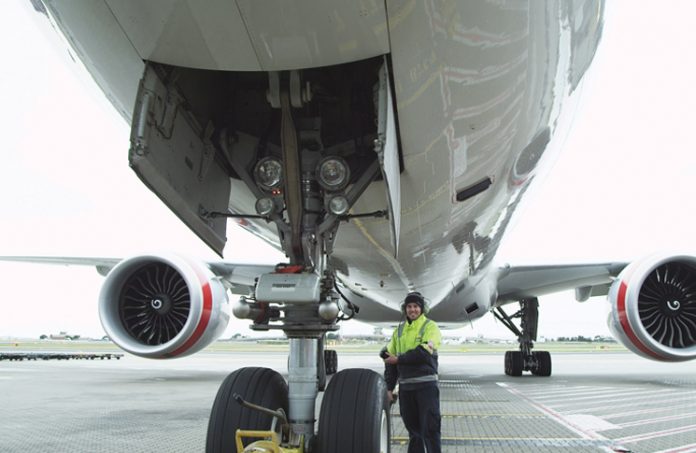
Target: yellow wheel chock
(268,444)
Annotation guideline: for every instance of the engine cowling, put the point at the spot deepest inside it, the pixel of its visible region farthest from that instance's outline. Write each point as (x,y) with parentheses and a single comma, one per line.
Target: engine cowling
(653,307)
(163,306)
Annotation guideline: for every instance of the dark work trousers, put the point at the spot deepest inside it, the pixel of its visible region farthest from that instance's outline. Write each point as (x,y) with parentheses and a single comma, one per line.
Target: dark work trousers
(420,411)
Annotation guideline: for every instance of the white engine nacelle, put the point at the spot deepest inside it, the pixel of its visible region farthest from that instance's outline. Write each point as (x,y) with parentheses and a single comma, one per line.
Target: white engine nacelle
(163,306)
(653,307)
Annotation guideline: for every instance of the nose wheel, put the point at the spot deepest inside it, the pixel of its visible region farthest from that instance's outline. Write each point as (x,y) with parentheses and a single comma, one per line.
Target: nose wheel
(261,386)
(354,414)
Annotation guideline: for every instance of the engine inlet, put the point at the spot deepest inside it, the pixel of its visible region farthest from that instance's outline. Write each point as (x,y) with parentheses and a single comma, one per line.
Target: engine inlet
(154,304)
(667,305)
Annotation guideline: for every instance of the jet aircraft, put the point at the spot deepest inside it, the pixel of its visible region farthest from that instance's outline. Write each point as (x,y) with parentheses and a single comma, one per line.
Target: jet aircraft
(383,147)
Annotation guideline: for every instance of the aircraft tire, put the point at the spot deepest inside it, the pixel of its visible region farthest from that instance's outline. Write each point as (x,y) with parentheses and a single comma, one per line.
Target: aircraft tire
(543,360)
(354,414)
(513,363)
(331,361)
(261,386)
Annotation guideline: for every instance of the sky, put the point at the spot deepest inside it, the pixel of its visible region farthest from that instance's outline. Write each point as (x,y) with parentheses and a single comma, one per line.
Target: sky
(623,187)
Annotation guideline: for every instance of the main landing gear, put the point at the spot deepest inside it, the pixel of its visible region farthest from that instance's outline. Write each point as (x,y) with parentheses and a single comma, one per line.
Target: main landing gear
(537,362)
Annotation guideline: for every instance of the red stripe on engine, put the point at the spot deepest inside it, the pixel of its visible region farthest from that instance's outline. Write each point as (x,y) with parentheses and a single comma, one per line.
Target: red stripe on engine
(626,326)
(203,322)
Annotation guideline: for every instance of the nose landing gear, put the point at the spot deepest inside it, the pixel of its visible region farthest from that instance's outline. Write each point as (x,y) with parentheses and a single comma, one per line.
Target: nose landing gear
(354,414)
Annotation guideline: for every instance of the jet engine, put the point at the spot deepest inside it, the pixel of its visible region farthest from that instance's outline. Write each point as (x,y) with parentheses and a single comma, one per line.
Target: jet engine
(653,307)
(163,306)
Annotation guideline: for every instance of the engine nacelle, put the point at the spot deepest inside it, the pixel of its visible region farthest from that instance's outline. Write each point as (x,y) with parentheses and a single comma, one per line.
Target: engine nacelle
(163,306)
(653,307)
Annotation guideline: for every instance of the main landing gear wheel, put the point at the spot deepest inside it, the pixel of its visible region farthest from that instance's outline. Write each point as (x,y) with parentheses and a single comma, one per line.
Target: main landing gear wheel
(331,361)
(513,363)
(542,361)
(354,414)
(260,386)
(539,364)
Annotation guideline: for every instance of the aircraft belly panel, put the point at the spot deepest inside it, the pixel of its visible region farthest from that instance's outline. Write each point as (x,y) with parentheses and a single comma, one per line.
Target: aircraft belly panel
(300,34)
(182,34)
(102,47)
(480,75)
(249,35)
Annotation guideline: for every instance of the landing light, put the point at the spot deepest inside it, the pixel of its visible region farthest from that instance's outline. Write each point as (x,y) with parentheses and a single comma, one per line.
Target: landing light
(268,173)
(333,173)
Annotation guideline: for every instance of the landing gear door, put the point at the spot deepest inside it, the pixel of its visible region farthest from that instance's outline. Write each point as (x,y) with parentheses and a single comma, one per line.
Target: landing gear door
(387,148)
(173,155)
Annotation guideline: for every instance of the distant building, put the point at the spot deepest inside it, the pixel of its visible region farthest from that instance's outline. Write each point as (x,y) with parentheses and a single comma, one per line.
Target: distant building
(62,335)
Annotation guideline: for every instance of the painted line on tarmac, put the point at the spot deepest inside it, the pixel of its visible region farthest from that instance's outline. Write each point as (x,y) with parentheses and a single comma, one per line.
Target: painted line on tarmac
(647,411)
(657,420)
(587,435)
(656,434)
(555,416)
(508,442)
(637,401)
(683,449)
(570,393)
(474,415)
(557,389)
(619,395)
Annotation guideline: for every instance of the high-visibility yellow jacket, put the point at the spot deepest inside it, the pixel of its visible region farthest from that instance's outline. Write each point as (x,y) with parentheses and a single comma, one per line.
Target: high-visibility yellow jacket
(415,344)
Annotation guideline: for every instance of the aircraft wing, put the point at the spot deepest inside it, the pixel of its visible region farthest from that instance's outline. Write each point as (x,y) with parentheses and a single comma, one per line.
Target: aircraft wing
(239,277)
(103,265)
(523,282)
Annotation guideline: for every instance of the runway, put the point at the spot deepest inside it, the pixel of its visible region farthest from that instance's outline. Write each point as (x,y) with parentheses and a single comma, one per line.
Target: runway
(593,402)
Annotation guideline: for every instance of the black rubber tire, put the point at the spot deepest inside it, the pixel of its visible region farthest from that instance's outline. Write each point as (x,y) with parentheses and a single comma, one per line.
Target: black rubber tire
(330,361)
(354,414)
(261,386)
(543,360)
(513,363)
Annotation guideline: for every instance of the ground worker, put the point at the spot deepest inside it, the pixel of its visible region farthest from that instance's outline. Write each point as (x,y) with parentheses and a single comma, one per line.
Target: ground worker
(411,358)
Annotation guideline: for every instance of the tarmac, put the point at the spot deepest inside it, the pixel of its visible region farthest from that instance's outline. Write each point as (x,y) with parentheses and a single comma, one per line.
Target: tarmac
(592,402)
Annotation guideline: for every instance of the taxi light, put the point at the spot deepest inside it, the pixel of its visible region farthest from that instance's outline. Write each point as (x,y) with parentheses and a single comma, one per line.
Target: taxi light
(338,205)
(264,206)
